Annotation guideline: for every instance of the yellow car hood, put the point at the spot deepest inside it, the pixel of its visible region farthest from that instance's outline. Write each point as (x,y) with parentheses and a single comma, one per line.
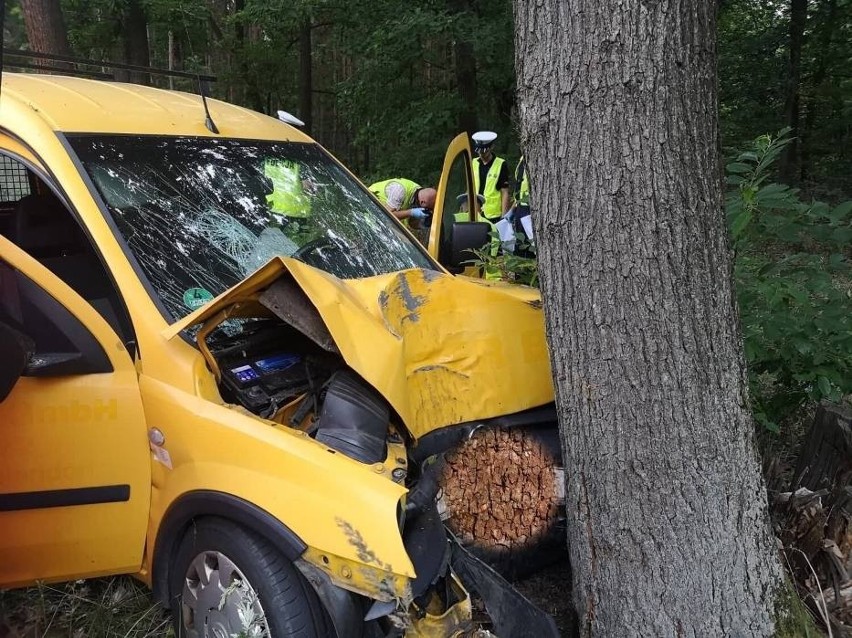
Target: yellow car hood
(441,349)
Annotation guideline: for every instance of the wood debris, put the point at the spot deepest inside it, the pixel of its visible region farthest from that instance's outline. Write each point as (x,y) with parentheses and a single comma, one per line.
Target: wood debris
(814,521)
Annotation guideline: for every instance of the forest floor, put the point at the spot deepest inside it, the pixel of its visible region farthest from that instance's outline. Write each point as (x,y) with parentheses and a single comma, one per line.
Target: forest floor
(123,608)
(550,591)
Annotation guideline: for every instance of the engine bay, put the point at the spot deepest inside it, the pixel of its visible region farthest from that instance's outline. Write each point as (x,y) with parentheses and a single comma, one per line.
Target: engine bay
(277,373)
(261,373)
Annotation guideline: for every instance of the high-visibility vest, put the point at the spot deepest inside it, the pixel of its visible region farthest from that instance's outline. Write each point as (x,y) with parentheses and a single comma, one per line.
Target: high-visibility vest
(493,206)
(522,192)
(288,197)
(378,189)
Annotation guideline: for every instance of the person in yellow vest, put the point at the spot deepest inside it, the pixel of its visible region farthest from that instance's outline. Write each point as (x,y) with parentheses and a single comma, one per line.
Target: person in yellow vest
(405,198)
(462,213)
(490,177)
(288,196)
(521,209)
(521,206)
(288,199)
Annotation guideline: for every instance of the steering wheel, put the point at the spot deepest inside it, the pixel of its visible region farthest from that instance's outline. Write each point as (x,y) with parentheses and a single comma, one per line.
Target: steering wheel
(311,247)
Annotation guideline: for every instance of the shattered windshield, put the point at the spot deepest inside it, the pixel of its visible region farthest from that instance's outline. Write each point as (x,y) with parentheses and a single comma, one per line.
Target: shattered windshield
(200,214)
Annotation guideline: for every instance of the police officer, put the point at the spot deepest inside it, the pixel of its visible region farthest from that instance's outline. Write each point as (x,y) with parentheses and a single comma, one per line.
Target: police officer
(522,190)
(288,196)
(405,198)
(462,213)
(490,177)
(521,206)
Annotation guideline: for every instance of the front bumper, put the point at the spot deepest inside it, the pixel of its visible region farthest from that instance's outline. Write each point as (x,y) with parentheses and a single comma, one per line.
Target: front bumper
(447,577)
(439,600)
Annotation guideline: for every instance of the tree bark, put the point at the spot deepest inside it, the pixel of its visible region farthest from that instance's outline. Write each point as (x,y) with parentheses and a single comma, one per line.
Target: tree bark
(45,27)
(135,32)
(828,25)
(668,527)
(790,158)
(464,62)
(306,85)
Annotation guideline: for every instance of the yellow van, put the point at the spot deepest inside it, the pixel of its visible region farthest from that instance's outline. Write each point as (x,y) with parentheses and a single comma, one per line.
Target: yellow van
(232,390)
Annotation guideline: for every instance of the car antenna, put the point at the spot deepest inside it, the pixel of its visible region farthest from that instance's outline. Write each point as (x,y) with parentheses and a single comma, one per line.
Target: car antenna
(208,121)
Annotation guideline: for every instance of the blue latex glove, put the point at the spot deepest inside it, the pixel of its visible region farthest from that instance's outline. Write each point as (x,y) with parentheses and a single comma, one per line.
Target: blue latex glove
(509,216)
(419,213)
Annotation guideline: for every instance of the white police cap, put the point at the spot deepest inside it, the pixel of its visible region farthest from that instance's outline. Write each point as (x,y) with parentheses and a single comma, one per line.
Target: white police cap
(289,118)
(484,138)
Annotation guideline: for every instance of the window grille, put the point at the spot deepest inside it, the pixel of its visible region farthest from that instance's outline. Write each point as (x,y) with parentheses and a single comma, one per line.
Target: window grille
(14,183)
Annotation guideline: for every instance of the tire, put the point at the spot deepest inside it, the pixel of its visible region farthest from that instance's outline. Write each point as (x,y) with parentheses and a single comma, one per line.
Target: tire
(220,564)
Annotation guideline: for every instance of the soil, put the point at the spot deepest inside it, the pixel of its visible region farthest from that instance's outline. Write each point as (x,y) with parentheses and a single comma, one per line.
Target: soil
(550,590)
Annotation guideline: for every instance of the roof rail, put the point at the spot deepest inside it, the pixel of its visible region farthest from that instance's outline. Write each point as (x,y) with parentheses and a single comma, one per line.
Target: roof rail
(48,62)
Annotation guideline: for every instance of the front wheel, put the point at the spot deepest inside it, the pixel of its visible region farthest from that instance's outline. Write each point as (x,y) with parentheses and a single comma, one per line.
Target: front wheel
(226,581)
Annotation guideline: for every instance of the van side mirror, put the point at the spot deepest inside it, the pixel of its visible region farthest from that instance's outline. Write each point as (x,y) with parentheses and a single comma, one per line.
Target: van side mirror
(16,349)
(467,236)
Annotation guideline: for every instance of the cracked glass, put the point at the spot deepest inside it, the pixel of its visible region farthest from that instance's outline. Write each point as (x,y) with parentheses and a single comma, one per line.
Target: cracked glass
(201,214)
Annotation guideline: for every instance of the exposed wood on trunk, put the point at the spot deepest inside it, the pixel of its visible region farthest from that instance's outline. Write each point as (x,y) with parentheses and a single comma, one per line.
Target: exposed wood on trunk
(618,111)
(501,494)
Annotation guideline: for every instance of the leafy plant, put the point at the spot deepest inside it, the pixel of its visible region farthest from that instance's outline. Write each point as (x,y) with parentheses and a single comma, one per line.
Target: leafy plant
(793,280)
(119,606)
(515,266)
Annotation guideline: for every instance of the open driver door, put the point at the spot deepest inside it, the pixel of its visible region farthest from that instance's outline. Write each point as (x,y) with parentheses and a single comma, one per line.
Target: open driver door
(455,232)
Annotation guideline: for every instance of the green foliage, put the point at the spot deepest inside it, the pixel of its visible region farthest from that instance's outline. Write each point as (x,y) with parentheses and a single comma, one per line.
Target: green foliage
(517,268)
(754,77)
(794,284)
(792,618)
(387,90)
(793,280)
(117,606)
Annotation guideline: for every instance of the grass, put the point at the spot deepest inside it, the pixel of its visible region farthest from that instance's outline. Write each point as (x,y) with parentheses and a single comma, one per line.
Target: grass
(99,608)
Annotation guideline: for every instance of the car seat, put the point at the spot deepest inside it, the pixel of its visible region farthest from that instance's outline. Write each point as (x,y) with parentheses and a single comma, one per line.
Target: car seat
(45,228)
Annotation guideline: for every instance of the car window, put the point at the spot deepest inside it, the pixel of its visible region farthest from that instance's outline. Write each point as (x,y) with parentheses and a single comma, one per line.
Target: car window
(14,180)
(200,214)
(63,345)
(37,221)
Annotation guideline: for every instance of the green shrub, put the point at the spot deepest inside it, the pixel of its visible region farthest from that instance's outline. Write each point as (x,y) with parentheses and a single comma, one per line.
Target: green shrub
(792,274)
(793,280)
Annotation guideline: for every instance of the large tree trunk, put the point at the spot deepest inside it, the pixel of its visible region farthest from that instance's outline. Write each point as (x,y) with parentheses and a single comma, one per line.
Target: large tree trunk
(45,27)
(668,526)
(790,158)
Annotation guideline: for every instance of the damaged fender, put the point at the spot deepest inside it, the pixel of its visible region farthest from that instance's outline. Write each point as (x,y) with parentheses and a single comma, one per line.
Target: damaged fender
(441,349)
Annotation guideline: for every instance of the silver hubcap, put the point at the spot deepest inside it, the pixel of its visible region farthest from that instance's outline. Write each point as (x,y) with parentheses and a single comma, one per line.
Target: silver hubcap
(218,600)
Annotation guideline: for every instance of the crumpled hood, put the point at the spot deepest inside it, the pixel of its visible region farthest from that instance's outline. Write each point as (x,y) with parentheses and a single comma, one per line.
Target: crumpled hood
(441,349)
